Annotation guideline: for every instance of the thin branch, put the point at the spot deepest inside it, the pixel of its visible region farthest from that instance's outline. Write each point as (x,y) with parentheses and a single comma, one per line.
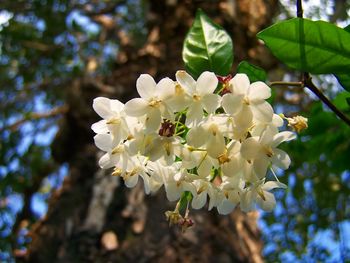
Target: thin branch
(311,86)
(286,83)
(299,9)
(36,116)
(307,81)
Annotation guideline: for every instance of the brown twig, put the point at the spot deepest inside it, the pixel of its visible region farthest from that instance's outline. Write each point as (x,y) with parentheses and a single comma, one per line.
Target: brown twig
(307,81)
(36,116)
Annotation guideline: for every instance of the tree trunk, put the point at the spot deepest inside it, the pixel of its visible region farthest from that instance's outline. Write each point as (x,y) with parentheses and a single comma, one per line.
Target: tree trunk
(93,217)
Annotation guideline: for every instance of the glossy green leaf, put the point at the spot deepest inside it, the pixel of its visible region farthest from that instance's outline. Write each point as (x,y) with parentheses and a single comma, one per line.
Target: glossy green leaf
(254,73)
(344,80)
(317,47)
(207,46)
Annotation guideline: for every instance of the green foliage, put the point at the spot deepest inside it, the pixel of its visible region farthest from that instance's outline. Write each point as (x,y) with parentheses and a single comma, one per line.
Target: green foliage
(344,79)
(207,46)
(254,73)
(316,47)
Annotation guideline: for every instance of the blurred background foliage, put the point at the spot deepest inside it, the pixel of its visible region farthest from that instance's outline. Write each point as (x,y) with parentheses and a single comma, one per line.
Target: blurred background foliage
(44,44)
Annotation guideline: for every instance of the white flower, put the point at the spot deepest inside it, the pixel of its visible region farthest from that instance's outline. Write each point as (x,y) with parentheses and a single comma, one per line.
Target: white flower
(201,95)
(152,102)
(208,135)
(262,150)
(115,153)
(231,188)
(258,192)
(135,168)
(252,95)
(112,112)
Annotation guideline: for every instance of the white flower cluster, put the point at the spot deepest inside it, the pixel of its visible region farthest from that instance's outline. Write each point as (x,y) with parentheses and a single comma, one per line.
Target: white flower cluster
(200,137)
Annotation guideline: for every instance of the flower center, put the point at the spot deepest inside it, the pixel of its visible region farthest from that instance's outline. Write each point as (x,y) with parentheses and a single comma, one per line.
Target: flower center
(154,103)
(196,97)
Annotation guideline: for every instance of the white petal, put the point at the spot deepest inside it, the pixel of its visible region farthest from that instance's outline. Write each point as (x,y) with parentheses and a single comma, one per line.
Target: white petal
(240,84)
(211,102)
(186,81)
(153,120)
(281,159)
(195,137)
(259,91)
(269,203)
(215,145)
(247,201)
(262,111)
(100,127)
(272,185)
(199,201)
(277,121)
(103,142)
(131,181)
(243,119)
(146,86)
(232,103)
(260,165)
(250,148)
(205,166)
(136,107)
(284,136)
(165,88)
(105,161)
(102,107)
(116,105)
(268,136)
(172,192)
(146,183)
(225,207)
(194,114)
(206,83)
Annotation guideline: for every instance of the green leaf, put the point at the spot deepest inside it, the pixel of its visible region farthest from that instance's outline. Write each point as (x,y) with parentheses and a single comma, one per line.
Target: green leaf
(344,80)
(347,28)
(207,46)
(317,47)
(254,73)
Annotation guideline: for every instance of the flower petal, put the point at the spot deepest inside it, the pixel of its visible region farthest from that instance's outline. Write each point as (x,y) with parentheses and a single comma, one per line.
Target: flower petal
(194,114)
(100,127)
(206,83)
(186,81)
(225,207)
(259,91)
(272,185)
(269,203)
(136,107)
(103,142)
(260,165)
(153,120)
(284,136)
(232,103)
(240,84)
(262,111)
(102,107)
(250,148)
(281,159)
(165,88)
(211,102)
(146,86)
(199,200)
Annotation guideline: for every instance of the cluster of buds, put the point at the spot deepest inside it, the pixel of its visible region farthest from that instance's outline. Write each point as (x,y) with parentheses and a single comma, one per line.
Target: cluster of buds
(214,141)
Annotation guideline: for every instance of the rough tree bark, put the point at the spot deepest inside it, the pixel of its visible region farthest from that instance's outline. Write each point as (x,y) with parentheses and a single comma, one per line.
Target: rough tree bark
(93,218)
